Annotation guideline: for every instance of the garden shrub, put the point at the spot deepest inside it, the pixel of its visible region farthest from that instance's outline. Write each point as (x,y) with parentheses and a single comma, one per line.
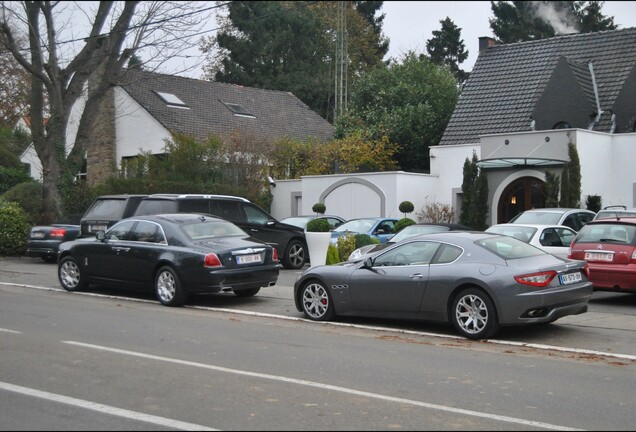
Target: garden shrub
(318,225)
(332,255)
(11,176)
(365,239)
(346,245)
(402,223)
(14,229)
(29,196)
(319,208)
(406,207)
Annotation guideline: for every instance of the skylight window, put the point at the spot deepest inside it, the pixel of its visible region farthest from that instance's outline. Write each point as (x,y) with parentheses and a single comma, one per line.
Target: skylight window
(172,100)
(238,110)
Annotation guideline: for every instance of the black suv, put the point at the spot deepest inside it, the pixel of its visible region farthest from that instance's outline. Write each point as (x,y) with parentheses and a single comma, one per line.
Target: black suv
(288,240)
(106,210)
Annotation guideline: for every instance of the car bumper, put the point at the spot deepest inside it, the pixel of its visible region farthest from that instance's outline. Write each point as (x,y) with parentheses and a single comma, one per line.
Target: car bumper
(613,277)
(42,247)
(546,305)
(226,280)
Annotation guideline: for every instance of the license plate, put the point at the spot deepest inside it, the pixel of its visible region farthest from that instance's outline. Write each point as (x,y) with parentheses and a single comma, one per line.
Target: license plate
(248,259)
(37,235)
(599,256)
(95,228)
(570,278)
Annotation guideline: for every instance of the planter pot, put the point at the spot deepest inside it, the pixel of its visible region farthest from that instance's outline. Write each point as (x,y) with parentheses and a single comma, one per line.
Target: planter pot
(317,245)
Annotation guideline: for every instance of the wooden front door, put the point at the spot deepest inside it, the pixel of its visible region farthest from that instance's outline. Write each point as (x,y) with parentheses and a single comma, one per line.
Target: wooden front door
(523,194)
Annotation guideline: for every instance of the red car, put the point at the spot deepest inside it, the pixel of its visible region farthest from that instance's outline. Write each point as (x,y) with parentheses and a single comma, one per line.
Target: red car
(609,247)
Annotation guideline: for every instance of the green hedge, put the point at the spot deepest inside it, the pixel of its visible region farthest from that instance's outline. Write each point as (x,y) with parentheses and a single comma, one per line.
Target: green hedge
(14,229)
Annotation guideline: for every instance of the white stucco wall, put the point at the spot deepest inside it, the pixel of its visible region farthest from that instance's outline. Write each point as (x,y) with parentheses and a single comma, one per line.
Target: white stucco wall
(137,131)
(355,195)
(608,167)
(598,170)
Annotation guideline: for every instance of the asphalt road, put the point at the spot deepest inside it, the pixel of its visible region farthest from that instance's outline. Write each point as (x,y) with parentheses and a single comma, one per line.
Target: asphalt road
(609,326)
(107,360)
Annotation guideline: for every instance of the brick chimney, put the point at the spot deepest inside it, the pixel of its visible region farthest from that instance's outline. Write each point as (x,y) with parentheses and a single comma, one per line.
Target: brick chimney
(486,42)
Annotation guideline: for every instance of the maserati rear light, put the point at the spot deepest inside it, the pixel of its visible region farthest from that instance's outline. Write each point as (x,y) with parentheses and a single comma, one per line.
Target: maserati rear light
(58,232)
(212,260)
(541,279)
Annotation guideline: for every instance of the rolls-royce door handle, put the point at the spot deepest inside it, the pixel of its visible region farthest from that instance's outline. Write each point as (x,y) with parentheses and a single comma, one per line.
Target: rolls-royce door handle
(120,249)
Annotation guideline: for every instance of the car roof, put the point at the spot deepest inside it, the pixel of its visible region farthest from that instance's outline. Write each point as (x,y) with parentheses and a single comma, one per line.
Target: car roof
(538,226)
(178,217)
(446,224)
(627,220)
(196,196)
(558,210)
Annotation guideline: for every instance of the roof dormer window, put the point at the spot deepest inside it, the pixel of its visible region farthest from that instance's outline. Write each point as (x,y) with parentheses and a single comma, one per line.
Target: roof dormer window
(562,125)
(172,100)
(238,110)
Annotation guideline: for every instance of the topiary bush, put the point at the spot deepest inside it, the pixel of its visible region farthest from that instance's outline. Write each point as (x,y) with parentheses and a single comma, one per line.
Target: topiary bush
(406,207)
(333,257)
(404,222)
(319,208)
(318,225)
(14,229)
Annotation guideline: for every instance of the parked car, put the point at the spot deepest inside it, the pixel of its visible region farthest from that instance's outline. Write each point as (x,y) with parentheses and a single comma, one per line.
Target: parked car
(609,247)
(378,228)
(175,255)
(106,210)
(475,280)
(44,240)
(302,221)
(570,217)
(615,212)
(289,240)
(403,234)
(554,239)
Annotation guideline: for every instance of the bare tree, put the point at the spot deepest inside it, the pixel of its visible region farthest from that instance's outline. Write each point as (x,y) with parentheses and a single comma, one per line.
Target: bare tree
(60,67)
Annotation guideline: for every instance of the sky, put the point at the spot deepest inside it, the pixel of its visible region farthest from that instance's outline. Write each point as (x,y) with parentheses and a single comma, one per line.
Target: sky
(409,24)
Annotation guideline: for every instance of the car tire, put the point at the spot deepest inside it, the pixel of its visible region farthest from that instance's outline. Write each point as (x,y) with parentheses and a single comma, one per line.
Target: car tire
(473,314)
(247,292)
(70,275)
(295,256)
(316,301)
(168,287)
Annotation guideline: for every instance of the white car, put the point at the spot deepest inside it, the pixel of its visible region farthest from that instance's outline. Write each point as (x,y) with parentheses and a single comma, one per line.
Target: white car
(554,239)
(570,217)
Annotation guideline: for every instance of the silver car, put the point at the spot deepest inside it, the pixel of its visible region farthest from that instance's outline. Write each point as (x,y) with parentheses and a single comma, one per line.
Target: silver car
(477,281)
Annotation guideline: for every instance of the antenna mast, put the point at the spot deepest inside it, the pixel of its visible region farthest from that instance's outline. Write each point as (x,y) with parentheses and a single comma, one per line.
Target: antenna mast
(340,103)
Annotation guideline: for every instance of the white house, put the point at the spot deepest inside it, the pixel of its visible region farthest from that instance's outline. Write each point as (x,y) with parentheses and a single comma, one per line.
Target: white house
(520,107)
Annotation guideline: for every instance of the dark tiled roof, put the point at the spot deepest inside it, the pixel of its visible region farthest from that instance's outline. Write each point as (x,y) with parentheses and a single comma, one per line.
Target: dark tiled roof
(507,80)
(277,114)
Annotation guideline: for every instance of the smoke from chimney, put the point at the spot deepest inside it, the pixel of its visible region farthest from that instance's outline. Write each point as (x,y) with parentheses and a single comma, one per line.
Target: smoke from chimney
(562,21)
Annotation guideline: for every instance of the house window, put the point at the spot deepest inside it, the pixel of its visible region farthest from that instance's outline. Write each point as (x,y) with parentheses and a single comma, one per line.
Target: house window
(172,100)
(238,110)
(562,125)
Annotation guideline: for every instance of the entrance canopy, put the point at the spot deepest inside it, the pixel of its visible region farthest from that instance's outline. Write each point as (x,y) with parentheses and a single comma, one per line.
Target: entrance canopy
(541,148)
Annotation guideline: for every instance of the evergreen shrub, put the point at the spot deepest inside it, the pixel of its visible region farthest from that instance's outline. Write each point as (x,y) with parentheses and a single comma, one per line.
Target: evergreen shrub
(14,229)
